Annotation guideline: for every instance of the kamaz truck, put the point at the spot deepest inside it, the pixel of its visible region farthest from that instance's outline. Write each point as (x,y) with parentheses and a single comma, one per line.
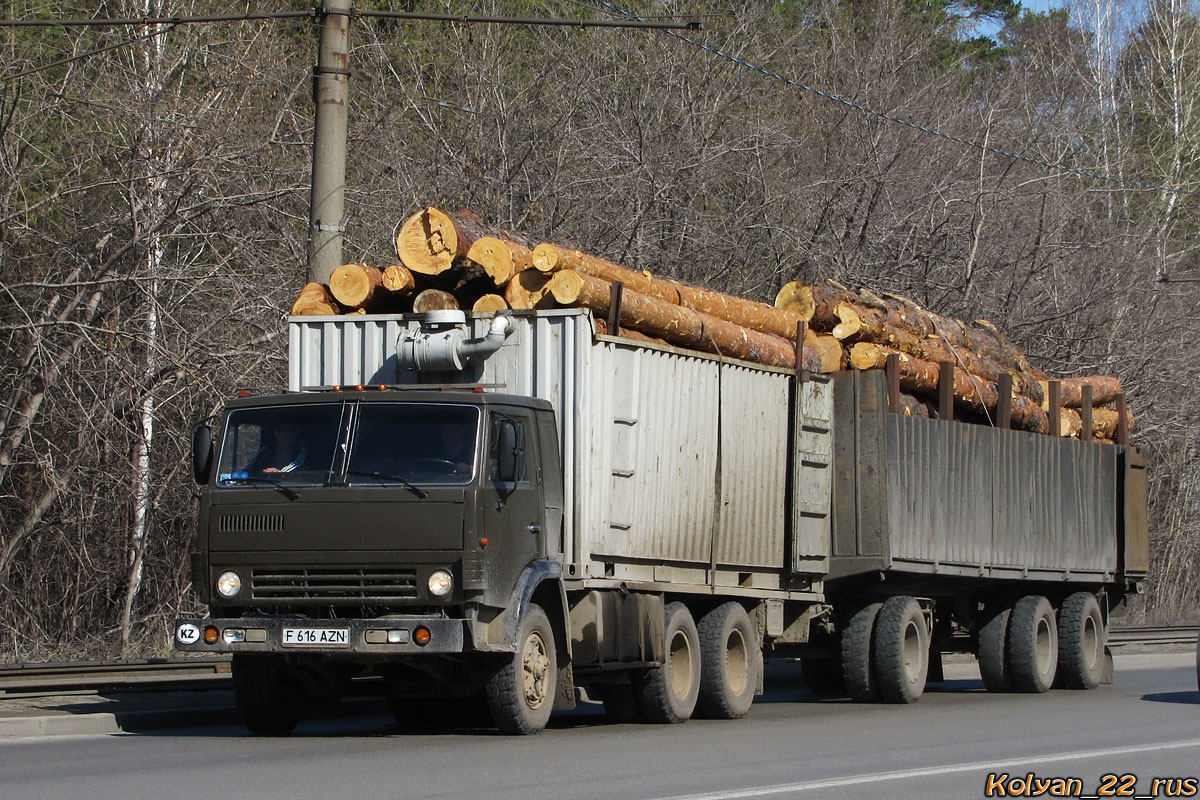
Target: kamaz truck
(513,510)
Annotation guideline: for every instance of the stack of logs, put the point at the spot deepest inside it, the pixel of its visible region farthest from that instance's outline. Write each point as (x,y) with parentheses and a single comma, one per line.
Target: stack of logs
(937,366)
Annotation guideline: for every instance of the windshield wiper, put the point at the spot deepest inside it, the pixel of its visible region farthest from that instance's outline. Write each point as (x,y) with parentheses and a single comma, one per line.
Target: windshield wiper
(384,476)
(283,488)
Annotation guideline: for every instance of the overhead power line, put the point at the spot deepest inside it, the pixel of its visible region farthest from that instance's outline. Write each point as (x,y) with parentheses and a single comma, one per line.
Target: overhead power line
(979,146)
(630,22)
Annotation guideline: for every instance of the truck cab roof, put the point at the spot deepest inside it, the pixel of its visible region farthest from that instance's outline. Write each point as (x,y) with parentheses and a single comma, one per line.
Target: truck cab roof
(467,395)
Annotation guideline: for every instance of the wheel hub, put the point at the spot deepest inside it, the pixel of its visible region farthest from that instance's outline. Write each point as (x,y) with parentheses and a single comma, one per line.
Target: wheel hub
(535,669)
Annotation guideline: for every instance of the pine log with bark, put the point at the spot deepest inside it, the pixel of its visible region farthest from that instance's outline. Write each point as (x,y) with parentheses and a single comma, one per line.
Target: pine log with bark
(1105,389)
(859,323)
(973,393)
(750,314)
(680,326)
(314,300)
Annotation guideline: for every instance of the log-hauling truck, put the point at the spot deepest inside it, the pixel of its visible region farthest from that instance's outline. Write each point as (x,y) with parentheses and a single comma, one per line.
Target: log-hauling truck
(516,510)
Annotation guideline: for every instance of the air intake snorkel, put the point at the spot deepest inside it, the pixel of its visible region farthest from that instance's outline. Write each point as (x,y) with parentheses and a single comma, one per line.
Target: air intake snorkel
(441,344)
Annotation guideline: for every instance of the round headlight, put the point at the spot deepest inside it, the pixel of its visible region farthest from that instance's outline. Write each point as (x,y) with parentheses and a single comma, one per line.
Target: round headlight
(440,583)
(229,584)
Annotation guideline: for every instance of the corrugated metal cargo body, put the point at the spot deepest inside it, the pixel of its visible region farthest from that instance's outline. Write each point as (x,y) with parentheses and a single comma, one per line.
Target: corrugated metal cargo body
(941,502)
(675,463)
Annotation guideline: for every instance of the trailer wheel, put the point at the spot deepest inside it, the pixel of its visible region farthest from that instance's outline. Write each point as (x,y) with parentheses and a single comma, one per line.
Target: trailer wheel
(993,648)
(520,694)
(729,662)
(900,650)
(857,670)
(267,700)
(668,692)
(1081,638)
(823,675)
(1032,644)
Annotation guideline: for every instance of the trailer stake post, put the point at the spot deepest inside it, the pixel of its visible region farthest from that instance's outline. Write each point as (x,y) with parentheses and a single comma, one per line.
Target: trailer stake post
(892,372)
(801,332)
(1004,389)
(614,308)
(946,391)
(1055,409)
(1122,421)
(1085,414)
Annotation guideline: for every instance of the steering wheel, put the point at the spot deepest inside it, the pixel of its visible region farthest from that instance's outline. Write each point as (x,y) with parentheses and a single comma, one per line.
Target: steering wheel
(443,463)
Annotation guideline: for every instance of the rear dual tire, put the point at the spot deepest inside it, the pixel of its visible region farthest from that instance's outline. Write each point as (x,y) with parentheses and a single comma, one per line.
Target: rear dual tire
(885,652)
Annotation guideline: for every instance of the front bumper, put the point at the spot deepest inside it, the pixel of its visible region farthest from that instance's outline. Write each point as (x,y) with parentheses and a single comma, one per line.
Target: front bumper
(363,636)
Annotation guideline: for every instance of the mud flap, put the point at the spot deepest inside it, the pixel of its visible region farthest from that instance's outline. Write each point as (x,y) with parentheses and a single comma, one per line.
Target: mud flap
(1108,673)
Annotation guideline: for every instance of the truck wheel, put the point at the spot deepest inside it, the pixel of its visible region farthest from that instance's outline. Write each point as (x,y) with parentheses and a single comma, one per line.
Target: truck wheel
(520,694)
(823,675)
(900,650)
(993,648)
(1032,644)
(1081,638)
(729,662)
(857,671)
(668,693)
(267,700)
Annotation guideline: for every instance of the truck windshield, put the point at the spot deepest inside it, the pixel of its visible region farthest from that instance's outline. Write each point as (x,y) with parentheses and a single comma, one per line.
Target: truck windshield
(418,443)
(291,445)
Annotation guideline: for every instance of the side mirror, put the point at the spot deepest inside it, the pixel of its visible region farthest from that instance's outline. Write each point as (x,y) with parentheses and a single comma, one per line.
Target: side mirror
(508,453)
(202,453)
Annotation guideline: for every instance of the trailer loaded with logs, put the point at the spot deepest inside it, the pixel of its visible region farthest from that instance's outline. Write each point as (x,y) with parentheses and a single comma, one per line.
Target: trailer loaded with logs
(514,474)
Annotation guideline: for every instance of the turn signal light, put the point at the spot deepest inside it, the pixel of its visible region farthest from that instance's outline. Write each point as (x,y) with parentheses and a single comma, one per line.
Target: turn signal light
(211,635)
(483,540)
(421,636)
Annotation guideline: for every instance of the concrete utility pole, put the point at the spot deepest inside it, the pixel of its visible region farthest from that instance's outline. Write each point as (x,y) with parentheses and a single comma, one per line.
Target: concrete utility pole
(331,77)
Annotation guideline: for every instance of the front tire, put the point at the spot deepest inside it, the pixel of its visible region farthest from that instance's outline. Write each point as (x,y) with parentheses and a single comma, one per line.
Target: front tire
(729,662)
(900,650)
(1032,644)
(267,698)
(520,694)
(668,693)
(1081,639)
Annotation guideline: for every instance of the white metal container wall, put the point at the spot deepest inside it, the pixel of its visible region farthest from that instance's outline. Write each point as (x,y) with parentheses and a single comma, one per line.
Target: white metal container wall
(638,425)
(754,441)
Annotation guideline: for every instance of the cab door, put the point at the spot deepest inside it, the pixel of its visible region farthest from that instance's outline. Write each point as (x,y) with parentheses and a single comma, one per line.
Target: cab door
(513,512)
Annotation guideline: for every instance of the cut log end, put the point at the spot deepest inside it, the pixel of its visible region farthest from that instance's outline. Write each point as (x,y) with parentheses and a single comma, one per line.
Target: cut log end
(545,257)
(314,301)
(434,300)
(529,289)
(398,279)
(565,286)
(795,296)
(500,259)
(489,304)
(353,285)
(427,242)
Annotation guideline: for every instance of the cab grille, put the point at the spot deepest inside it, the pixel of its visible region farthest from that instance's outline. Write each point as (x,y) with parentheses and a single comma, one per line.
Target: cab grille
(333,584)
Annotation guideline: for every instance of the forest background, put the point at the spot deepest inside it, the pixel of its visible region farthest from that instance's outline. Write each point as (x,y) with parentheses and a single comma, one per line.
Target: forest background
(154,200)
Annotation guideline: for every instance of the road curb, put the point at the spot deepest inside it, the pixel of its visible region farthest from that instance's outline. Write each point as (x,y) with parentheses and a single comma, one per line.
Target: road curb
(104,722)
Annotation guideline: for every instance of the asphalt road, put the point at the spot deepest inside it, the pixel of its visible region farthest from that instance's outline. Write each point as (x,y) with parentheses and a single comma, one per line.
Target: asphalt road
(791,744)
